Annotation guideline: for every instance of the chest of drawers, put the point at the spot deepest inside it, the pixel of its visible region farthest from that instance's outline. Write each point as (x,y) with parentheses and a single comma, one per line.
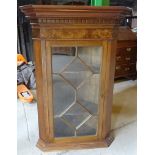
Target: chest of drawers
(126,54)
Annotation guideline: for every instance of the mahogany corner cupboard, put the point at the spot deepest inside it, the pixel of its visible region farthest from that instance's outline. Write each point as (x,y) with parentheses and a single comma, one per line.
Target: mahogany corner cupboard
(74,50)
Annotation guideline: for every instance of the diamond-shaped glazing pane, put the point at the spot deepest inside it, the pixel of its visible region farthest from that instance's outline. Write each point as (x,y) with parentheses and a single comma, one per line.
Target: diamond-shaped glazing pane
(76,72)
(76,115)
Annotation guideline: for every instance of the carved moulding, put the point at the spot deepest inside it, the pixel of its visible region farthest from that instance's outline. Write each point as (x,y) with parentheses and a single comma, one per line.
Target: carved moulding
(74,34)
(111,20)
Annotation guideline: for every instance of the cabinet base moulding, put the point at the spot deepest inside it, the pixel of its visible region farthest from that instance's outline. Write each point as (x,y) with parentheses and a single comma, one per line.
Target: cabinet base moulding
(74,146)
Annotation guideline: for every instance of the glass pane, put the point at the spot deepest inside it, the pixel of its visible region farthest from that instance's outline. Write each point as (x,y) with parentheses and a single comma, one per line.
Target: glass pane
(61,57)
(64,94)
(87,94)
(76,72)
(91,56)
(89,128)
(76,75)
(76,115)
(62,129)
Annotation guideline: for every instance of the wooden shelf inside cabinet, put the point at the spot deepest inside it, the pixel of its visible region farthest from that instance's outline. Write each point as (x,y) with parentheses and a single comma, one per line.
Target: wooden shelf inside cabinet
(74,104)
(126,54)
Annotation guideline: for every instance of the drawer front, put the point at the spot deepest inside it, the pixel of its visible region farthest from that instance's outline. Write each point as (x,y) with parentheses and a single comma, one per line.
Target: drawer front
(130,59)
(119,58)
(129,68)
(126,59)
(126,55)
(118,70)
(130,51)
(125,70)
(127,51)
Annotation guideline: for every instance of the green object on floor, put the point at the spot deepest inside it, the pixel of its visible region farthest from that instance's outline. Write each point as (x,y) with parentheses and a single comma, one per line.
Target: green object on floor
(100,2)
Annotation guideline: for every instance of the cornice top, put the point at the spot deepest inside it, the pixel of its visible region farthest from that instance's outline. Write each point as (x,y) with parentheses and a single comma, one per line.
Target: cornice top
(64,11)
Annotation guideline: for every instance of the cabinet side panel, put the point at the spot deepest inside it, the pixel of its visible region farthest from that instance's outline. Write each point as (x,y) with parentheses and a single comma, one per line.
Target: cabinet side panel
(42,89)
(110,70)
(39,84)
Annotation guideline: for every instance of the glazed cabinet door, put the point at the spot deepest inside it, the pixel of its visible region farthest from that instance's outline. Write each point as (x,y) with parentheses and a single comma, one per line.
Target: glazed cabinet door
(74,72)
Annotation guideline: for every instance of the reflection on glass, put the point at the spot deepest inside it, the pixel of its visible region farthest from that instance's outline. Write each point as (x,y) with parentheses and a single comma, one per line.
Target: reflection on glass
(76,73)
(87,94)
(61,128)
(61,57)
(89,128)
(76,115)
(64,98)
(91,56)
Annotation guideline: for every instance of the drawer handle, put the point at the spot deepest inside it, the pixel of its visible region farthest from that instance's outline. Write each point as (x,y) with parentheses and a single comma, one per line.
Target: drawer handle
(127,68)
(118,67)
(128,58)
(128,49)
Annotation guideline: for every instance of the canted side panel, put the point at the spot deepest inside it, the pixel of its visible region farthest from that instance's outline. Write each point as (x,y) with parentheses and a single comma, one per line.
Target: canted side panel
(39,85)
(108,86)
(42,89)
(101,122)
